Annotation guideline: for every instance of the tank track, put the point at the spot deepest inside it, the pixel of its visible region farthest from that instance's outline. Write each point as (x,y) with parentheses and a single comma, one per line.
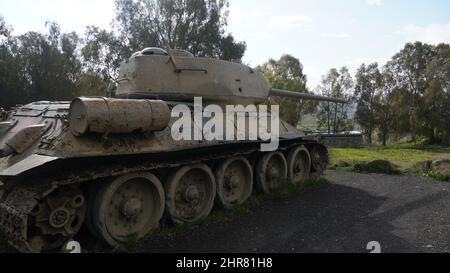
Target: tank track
(16,207)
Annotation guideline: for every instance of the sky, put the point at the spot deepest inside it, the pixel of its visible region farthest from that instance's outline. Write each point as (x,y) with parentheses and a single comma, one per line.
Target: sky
(323,34)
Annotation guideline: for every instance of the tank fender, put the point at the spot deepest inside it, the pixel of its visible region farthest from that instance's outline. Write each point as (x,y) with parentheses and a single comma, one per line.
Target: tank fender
(27,164)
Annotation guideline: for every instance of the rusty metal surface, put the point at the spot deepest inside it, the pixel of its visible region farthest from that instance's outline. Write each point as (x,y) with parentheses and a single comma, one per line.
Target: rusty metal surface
(114,116)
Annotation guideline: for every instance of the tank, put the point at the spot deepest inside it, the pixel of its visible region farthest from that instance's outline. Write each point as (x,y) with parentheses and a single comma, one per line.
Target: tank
(111,166)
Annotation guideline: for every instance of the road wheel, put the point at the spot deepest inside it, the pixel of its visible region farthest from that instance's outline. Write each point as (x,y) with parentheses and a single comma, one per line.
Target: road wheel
(299,165)
(319,160)
(271,171)
(127,208)
(190,193)
(234,179)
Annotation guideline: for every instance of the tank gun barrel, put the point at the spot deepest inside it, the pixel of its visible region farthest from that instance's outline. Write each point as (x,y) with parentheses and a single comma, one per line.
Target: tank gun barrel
(303,96)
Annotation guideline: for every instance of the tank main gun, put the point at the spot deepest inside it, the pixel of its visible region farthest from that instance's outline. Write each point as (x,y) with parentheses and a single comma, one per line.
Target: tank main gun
(303,96)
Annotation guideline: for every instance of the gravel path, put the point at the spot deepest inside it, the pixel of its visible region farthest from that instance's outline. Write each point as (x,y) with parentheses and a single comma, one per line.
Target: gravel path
(403,213)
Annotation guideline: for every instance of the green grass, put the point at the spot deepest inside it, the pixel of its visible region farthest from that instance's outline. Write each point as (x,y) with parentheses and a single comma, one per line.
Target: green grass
(427,148)
(434,175)
(402,155)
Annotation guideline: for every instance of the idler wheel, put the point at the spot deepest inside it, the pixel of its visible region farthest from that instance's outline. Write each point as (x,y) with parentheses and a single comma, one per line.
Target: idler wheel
(127,208)
(56,219)
(190,193)
(299,165)
(271,171)
(234,179)
(319,160)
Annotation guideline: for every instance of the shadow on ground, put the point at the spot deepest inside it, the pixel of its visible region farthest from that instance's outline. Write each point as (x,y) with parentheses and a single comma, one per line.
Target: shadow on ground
(333,218)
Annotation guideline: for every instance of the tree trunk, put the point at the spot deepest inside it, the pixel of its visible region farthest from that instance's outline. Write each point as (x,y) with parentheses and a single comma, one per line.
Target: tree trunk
(431,136)
(384,136)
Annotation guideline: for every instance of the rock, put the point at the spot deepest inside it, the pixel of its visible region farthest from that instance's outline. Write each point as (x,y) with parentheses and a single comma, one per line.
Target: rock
(377,166)
(344,164)
(443,167)
(360,166)
(423,165)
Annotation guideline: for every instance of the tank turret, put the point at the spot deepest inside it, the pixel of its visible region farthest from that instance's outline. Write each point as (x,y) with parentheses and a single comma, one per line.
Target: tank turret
(178,75)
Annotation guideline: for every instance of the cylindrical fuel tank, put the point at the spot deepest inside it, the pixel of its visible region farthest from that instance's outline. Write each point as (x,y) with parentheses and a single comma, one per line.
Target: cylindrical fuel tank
(117,116)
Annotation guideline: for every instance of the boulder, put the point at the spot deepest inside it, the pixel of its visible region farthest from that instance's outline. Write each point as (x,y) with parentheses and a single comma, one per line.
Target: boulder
(344,164)
(423,165)
(443,167)
(377,166)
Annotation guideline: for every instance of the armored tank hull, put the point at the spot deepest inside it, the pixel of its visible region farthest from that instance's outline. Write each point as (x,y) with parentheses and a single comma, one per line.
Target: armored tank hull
(114,167)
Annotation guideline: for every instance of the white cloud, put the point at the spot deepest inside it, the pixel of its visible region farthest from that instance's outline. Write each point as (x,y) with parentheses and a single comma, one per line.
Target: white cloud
(238,15)
(433,33)
(290,21)
(374,2)
(336,35)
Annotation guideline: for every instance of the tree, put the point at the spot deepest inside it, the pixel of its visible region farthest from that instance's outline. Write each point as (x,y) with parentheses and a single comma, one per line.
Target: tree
(39,67)
(333,116)
(5,30)
(196,25)
(10,85)
(436,99)
(410,66)
(103,52)
(383,108)
(368,84)
(287,73)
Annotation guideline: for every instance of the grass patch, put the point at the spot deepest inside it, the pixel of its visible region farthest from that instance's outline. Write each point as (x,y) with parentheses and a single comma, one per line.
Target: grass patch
(428,148)
(434,175)
(404,157)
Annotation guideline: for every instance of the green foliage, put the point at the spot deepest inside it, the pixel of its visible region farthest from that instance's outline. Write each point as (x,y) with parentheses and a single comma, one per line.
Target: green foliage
(422,71)
(404,157)
(434,175)
(369,81)
(39,67)
(411,95)
(287,73)
(333,117)
(421,146)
